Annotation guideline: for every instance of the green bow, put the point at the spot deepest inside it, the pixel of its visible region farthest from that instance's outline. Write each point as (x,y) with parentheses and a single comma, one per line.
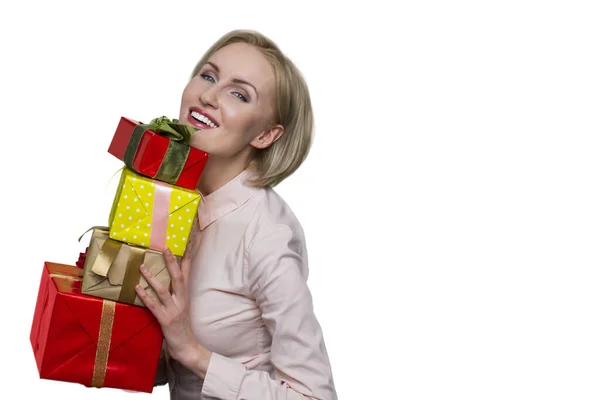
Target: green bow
(177,153)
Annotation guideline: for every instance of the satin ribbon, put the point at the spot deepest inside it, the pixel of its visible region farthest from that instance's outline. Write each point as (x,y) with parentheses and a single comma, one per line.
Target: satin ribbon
(104,261)
(132,275)
(103,348)
(104,335)
(177,152)
(67,283)
(160,212)
(106,256)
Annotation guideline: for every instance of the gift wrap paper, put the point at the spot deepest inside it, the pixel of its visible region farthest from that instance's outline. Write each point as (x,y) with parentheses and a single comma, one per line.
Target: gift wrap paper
(152,214)
(112,269)
(159,150)
(92,341)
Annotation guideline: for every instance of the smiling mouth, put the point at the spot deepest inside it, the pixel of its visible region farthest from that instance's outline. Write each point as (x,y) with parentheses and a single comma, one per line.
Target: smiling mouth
(203,120)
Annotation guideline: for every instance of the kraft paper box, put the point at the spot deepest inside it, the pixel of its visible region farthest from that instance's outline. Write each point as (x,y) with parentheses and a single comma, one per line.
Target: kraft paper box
(152,214)
(159,150)
(91,341)
(112,269)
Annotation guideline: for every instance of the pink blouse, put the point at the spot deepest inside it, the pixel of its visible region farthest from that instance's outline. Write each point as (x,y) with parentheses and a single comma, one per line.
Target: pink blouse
(250,303)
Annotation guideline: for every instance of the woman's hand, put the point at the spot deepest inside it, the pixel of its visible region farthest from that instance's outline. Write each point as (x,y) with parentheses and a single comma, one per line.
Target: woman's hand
(172,311)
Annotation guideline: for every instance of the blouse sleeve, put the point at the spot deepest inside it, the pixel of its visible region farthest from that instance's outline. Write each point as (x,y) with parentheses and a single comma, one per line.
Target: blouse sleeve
(277,278)
(161,378)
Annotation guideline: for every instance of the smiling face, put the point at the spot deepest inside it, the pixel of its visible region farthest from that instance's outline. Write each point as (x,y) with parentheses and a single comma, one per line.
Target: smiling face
(231,101)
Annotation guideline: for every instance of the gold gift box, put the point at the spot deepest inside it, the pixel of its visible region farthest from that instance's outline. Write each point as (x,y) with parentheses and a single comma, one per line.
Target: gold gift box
(112,269)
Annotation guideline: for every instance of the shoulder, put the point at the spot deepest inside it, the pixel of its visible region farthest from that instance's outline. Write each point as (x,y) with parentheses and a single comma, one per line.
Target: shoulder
(274,216)
(275,245)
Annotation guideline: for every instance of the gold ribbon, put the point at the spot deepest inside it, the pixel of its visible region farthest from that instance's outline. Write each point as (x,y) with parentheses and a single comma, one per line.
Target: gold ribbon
(106,256)
(102,350)
(66,283)
(132,275)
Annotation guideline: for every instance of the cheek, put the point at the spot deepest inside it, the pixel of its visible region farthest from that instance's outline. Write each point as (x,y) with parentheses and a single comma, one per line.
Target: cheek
(192,91)
(187,100)
(241,118)
(187,93)
(234,118)
(183,107)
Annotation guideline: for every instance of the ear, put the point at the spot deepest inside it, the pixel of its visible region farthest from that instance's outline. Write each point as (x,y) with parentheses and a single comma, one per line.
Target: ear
(267,137)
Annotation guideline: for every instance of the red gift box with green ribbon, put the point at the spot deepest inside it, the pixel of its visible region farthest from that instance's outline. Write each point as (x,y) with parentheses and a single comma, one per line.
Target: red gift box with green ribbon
(159,150)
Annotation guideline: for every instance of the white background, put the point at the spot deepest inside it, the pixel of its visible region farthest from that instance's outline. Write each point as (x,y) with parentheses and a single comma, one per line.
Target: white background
(451,201)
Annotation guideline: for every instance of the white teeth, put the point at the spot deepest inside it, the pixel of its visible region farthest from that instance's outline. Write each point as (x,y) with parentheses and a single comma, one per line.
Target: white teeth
(202,118)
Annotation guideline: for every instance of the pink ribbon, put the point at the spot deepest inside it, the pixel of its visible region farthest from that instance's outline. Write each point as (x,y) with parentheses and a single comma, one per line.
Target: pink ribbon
(160,216)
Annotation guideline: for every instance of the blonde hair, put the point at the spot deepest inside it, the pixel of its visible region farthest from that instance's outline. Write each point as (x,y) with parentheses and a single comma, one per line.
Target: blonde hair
(293,110)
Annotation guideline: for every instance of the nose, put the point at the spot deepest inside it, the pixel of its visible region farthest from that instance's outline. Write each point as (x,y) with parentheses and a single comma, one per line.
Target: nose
(209,97)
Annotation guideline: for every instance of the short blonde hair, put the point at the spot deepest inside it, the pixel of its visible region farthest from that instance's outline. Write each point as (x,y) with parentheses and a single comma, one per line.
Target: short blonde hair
(293,110)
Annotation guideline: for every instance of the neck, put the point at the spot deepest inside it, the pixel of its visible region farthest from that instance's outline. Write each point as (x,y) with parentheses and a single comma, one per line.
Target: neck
(217,172)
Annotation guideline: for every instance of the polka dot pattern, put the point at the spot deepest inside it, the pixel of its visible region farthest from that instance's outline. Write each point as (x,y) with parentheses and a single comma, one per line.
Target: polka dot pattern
(134,213)
(180,212)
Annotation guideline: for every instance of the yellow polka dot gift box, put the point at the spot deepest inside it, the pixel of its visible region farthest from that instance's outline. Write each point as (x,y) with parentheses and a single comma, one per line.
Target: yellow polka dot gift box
(151,213)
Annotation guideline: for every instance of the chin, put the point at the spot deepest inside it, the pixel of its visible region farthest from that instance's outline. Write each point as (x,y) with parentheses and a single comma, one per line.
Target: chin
(197,144)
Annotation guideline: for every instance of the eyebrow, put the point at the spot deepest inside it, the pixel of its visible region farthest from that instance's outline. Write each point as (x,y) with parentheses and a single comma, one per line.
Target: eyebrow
(236,80)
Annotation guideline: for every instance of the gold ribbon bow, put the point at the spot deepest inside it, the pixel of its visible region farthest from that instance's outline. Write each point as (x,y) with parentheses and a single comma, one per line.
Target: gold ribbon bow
(104,261)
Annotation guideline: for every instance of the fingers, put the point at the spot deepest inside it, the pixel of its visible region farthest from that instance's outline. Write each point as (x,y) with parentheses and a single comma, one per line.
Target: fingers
(185,268)
(177,279)
(154,306)
(191,248)
(161,291)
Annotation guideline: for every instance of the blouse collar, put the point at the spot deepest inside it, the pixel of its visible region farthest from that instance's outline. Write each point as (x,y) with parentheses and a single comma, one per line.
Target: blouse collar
(226,199)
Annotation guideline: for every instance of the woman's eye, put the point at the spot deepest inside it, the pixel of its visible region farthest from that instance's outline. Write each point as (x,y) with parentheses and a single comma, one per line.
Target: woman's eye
(240,96)
(208,78)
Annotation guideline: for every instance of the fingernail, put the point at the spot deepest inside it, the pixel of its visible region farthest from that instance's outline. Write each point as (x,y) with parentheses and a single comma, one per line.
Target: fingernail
(143,268)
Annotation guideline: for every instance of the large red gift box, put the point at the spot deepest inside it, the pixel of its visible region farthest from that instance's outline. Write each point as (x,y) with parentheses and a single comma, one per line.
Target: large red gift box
(151,151)
(89,340)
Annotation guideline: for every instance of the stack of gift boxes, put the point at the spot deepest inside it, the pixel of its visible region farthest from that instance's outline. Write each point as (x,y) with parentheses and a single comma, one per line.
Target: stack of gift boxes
(89,325)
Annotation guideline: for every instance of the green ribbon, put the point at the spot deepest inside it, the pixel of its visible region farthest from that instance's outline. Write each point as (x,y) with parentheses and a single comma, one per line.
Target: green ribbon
(177,153)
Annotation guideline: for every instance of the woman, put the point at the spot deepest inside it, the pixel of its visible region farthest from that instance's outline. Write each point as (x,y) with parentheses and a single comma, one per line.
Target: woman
(239,322)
